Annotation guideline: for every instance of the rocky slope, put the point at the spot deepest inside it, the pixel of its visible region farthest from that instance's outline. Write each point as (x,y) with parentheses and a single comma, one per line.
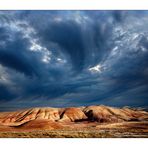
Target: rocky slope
(57,117)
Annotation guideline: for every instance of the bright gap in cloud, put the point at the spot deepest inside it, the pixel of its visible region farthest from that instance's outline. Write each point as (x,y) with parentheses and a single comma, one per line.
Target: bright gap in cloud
(95,69)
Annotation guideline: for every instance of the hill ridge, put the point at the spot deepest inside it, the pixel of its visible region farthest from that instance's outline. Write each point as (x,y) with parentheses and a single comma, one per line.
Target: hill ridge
(93,113)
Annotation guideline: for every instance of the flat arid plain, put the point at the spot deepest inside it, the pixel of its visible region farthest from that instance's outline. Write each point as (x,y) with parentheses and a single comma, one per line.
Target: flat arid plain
(75,122)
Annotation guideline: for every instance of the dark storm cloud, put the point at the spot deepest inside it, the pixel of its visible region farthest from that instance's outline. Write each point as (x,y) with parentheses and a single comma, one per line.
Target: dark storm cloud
(62,58)
(77,34)
(6,94)
(68,36)
(14,61)
(12,53)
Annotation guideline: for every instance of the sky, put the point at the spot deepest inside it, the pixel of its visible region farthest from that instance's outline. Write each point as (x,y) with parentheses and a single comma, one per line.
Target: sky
(73,58)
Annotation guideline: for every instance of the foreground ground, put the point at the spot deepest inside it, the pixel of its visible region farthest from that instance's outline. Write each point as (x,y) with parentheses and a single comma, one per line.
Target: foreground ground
(116,130)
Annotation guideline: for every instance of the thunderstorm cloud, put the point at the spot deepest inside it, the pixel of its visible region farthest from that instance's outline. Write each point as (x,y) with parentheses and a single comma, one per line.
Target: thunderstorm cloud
(73,58)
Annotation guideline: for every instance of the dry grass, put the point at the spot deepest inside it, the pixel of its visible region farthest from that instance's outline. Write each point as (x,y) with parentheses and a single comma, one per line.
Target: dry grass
(56,134)
(85,133)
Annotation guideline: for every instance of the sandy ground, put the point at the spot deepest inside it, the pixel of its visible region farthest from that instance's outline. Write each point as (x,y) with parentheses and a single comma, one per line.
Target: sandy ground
(79,130)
